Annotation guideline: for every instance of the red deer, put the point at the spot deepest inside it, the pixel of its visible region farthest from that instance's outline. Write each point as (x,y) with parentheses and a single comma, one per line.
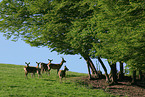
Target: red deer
(55,66)
(32,70)
(44,67)
(61,73)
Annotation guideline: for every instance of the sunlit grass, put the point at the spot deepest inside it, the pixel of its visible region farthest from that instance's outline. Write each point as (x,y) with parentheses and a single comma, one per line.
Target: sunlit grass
(14,84)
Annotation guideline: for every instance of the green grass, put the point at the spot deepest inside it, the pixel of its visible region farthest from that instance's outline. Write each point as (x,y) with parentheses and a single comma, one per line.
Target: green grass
(14,84)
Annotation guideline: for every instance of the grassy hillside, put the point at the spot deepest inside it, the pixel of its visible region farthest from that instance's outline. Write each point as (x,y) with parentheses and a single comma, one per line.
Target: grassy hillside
(14,84)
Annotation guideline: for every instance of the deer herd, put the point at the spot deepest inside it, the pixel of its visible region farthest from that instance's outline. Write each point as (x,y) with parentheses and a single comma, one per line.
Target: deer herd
(45,68)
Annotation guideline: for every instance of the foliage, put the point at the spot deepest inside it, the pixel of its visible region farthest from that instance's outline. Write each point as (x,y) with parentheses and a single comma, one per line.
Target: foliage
(109,29)
(41,22)
(13,83)
(51,23)
(120,29)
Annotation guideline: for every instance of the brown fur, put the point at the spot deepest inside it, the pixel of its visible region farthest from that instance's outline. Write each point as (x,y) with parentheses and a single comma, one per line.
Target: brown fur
(44,67)
(61,73)
(32,70)
(55,66)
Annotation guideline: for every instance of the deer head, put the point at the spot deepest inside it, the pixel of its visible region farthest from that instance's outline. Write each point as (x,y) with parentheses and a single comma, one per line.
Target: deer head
(27,64)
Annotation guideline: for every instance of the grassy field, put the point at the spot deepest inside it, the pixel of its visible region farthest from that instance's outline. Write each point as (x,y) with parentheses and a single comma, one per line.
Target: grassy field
(14,84)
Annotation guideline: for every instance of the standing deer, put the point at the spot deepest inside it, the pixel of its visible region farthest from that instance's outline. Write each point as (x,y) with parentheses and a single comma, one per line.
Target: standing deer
(27,64)
(61,73)
(55,66)
(32,70)
(44,67)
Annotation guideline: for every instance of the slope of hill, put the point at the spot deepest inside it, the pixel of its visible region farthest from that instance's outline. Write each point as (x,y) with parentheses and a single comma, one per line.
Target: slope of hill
(14,84)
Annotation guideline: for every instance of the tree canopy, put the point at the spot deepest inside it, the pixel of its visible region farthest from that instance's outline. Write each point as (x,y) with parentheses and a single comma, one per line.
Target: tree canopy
(112,29)
(120,29)
(48,23)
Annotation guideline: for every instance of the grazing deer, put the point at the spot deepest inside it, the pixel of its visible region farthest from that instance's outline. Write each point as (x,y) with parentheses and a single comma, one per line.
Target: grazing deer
(61,73)
(55,66)
(44,67)
(32,70)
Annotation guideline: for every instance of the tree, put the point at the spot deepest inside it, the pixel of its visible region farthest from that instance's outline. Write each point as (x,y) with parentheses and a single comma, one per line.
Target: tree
(108,29)
(120,29)
(121,74)
(106,74)
(50,23)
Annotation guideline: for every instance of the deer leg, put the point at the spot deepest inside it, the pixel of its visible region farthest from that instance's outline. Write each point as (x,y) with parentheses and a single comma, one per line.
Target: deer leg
(39,73)
(26,75)
(60,79)
(34,75)
(31,75)
(46,71)
(57,71)
(41,70)
(49,71)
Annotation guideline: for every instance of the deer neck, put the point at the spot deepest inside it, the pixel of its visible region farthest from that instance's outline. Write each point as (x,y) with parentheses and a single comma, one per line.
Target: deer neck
(64,70)
(37,66)
(61,63)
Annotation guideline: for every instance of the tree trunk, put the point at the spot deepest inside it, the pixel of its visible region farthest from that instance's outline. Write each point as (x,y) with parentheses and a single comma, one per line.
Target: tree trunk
(94,71)
(90,66)
(121,74)
(114,73)
(106,74)
(140,75)
(134,77)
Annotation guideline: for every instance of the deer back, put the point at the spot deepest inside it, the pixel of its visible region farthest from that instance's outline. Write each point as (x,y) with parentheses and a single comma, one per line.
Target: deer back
(30,69)
(43,65)
(55,66)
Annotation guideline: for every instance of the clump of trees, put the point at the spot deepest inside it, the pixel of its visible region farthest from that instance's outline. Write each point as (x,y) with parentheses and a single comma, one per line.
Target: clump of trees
(111,29)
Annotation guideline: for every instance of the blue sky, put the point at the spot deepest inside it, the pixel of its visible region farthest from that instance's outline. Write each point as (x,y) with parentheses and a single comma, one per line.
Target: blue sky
(19,52)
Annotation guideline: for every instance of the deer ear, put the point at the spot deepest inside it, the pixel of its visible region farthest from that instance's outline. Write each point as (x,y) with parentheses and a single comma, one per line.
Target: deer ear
(50,60)
(29,63)
(25,62)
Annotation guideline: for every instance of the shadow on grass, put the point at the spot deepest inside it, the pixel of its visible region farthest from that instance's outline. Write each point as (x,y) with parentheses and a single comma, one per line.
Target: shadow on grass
(49,80)
(73,75)
(17,95)
(13,86)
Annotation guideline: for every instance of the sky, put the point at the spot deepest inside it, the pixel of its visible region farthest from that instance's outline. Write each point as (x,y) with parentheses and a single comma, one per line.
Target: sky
(19,52)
